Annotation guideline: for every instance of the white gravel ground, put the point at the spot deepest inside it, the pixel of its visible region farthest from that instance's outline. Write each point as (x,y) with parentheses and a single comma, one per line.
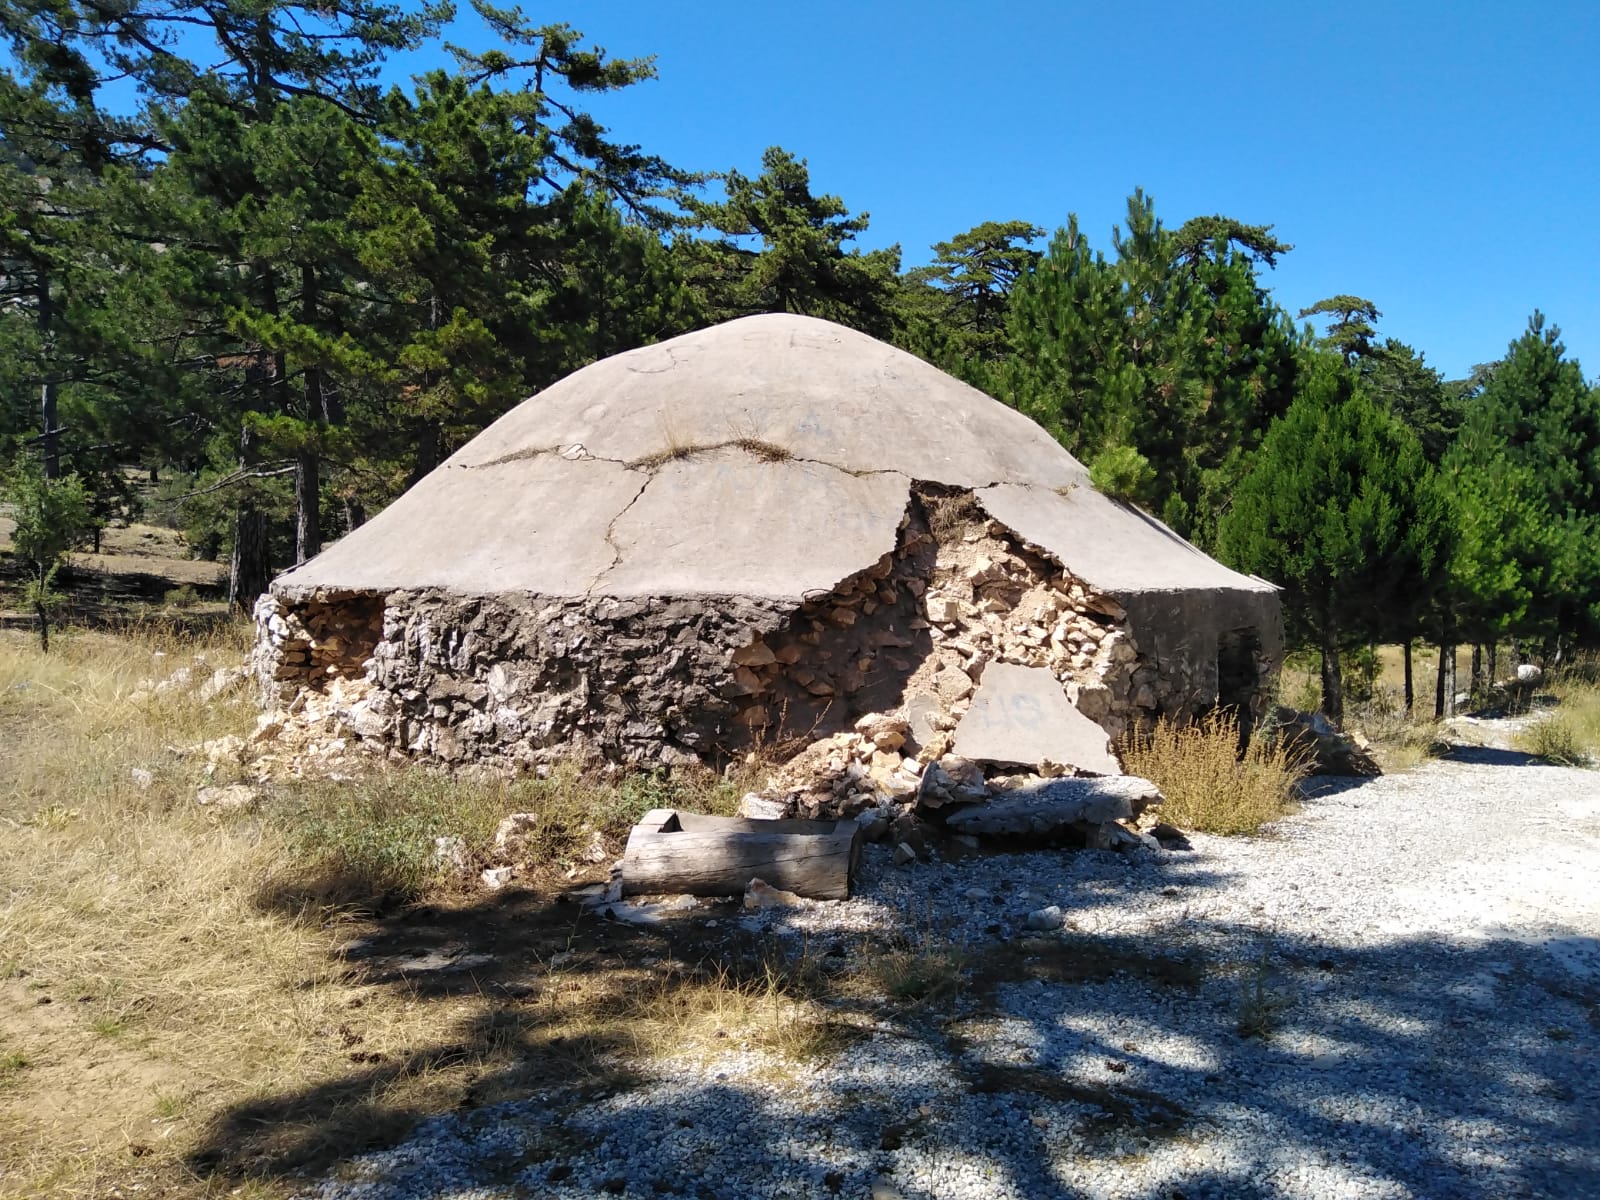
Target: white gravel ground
(1429,944)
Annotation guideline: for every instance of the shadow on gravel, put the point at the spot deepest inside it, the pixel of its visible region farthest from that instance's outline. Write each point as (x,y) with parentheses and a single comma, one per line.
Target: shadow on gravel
(1493,756)
(1008,1068)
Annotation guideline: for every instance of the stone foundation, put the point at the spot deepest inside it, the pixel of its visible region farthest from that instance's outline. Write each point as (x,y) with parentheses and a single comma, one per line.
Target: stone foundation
(517,680)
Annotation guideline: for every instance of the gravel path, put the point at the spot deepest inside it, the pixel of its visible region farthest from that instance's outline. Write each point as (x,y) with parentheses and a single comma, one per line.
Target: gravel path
(1425,949)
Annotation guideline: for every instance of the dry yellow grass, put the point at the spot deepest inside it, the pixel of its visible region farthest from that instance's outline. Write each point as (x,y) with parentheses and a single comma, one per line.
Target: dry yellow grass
(177,1014)
(1207,784)
(1569,732)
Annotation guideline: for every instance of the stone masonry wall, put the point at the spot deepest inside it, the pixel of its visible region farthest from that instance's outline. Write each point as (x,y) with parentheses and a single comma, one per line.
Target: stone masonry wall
(518,680)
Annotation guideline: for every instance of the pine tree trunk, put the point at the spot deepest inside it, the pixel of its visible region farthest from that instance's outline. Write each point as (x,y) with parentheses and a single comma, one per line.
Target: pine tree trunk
(41,609)
(1411,695)
(1476,686)
(250,569)
(430,452)
(1445,704)
(1332,681)
(50,435)
(308,466)
(1494,651)
(307,511)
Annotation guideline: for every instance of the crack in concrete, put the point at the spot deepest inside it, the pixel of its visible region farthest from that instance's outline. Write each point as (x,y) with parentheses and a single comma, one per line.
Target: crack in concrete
(762,451)
(611,528)
(672,362)
(540,451)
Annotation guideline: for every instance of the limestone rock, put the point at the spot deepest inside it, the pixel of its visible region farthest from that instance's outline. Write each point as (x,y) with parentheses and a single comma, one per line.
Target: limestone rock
(450,853)
(222,682)
(1043,920)
(1328,751)
(755,806)
(514,836)
(232,797)
(761,894)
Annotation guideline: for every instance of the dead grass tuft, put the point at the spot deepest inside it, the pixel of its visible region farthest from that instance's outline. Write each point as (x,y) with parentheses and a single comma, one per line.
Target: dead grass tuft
(674,450)
(702,1016)
(1207,784)
(952,514)
(1568,732)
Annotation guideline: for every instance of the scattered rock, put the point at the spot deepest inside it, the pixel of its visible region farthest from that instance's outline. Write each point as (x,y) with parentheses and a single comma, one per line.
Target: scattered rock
(1329,751)
(514,835)
(233,797)
(221,682)
(595,850)
(495,878)
(142,779)
(1042,920)
(904,854)
(761,894)
(1053,807)
(1170,837)
(450,853)
(874,825)
(754,806)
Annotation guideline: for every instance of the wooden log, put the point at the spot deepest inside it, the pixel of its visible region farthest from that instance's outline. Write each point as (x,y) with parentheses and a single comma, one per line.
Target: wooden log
(684,853)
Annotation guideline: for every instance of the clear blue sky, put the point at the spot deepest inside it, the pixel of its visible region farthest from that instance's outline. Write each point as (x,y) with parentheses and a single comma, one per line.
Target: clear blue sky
(1442,159)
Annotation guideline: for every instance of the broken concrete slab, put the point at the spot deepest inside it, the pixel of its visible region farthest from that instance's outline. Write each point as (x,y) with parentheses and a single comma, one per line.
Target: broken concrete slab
(1055,807)
(1022,716)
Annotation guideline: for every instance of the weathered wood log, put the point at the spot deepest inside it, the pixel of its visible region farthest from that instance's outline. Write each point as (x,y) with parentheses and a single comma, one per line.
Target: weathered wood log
(684,853)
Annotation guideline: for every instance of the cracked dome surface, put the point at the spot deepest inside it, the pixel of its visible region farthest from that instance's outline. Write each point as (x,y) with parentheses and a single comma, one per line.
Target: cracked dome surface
(767,457)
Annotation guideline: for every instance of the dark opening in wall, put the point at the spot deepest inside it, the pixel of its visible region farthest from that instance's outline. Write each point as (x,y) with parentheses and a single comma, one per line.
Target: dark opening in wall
(344,633)
(1237,676)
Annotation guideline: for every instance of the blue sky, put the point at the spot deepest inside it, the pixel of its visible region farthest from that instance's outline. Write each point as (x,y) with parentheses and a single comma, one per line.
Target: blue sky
(1442,159)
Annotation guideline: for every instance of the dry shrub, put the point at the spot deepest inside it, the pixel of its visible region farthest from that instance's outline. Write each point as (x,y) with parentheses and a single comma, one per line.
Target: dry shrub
(1207,784)
(1569,735)
(1555,738)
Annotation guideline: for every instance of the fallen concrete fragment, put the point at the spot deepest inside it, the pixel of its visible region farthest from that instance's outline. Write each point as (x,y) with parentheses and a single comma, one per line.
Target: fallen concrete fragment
(1021,716)
(1055,807)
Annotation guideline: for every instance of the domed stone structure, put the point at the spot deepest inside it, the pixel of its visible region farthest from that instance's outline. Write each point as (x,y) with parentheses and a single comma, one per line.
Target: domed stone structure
(757,531)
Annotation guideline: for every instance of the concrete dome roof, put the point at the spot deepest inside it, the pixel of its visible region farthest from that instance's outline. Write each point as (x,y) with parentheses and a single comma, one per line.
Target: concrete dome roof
(771,456)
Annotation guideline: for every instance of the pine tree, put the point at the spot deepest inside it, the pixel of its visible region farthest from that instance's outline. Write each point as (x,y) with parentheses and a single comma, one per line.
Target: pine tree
(1161,368)
(1340,509)
(783,249)
(953,311)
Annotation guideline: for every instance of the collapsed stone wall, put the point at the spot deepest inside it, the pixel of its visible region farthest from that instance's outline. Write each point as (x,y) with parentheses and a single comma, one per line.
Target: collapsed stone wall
(519,680)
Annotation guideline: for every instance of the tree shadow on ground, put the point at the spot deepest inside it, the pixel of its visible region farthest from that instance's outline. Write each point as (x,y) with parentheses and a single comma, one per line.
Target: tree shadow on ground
(98,598)
(1402,1065)
(1493,756)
